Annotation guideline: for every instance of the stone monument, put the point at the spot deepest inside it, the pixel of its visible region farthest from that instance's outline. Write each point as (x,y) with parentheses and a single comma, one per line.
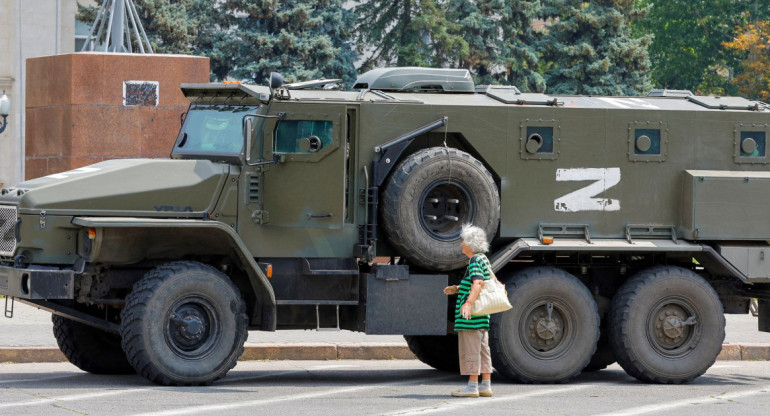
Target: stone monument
(87,107)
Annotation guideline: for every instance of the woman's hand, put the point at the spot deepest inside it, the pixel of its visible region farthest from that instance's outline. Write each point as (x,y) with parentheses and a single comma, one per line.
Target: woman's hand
(465,311)
(451,290)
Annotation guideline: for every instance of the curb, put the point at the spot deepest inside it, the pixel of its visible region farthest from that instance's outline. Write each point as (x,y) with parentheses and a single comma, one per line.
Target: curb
(321,351)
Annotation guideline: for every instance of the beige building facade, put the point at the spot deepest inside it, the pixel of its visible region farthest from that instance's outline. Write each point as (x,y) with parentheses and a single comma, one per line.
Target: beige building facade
(28,29)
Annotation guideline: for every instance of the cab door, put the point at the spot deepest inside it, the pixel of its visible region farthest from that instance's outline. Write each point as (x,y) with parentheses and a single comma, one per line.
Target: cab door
(306,188)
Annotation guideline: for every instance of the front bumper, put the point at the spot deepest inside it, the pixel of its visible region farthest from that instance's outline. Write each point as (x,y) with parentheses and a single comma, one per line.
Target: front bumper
(37,283)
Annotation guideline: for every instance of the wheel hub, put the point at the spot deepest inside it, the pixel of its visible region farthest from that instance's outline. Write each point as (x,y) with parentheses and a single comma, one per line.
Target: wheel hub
(189,327)
(673,326)
(444,207)
(546,328)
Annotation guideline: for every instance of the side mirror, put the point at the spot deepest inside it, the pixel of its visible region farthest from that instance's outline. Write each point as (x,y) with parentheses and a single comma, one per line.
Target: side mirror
(248,139)
(248,125)
(276,80)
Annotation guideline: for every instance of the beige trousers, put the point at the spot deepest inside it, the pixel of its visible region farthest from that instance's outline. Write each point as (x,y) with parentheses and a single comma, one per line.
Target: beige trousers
(474,352)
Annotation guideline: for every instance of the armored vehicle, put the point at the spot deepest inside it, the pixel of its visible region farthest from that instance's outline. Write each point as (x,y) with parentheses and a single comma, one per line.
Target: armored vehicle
(624,227)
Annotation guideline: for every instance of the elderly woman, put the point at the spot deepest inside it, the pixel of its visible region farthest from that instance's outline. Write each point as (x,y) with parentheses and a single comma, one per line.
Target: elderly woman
(473,330)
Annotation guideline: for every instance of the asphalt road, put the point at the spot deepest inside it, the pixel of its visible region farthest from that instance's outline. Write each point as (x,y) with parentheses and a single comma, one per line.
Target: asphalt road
(403,387)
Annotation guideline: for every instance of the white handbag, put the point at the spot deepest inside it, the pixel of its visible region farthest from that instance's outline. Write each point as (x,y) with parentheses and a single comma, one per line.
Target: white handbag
(493,297)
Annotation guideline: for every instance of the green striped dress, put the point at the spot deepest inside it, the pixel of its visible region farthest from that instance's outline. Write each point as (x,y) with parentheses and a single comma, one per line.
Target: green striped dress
(477,269)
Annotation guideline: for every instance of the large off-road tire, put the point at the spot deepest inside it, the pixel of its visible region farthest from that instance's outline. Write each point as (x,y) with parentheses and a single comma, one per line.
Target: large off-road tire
(529,348)
(648,329)
(428,198)
(90,349)
(439,352)
(184,324)
(603,356)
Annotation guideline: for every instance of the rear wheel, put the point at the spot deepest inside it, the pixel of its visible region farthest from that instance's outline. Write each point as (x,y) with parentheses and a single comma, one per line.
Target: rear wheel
(666,325)
(603,356)
(90,349)
(439,352)
(184,324)
(550,333)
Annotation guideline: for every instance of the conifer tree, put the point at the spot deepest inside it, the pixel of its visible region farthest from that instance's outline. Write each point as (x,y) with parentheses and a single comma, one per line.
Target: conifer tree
(248,39)
(592,50)
(519,53)
(408,33)
(301,39)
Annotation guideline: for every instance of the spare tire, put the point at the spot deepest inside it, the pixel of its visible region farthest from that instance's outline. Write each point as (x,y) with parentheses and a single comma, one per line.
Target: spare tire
(427,199)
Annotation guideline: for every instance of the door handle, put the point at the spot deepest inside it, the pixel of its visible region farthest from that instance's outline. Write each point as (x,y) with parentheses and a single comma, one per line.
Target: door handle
(311,215)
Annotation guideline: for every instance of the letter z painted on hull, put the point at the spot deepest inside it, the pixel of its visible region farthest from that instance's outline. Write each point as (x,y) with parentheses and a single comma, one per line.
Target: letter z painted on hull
(584,198)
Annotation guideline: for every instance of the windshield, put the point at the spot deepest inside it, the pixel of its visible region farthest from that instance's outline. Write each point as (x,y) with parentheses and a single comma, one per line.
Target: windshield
(213,129)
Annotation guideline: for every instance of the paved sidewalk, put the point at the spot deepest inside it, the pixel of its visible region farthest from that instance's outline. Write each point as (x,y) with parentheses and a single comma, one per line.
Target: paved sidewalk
(28,337)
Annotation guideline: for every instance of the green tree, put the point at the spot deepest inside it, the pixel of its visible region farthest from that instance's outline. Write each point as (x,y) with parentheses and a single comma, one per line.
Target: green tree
(302,40)
(519,50)
(190,27)
(591,49)
(248,39)
(500,41)
(687,51)
(408,33)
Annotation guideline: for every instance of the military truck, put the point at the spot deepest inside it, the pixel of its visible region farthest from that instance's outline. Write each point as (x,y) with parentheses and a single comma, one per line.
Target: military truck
(623,227)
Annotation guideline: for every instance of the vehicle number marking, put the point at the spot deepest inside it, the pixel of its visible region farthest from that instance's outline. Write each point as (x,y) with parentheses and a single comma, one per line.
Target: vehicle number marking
(583,199)
(67,174)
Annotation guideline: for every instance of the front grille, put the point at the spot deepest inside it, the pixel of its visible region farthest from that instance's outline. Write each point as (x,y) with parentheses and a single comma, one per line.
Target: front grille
(8,220)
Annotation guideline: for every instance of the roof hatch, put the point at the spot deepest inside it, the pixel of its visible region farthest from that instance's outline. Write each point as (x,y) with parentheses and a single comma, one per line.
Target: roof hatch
(512,95)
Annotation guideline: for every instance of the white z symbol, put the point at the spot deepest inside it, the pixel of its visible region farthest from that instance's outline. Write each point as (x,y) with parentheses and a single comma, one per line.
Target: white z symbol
(583,199)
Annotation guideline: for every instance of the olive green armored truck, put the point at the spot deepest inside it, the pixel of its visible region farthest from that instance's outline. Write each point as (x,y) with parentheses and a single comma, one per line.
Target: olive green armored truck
(623,227)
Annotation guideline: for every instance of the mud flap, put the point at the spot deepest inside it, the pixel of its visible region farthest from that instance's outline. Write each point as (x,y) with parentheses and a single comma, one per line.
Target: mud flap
(399,303)
(763,309)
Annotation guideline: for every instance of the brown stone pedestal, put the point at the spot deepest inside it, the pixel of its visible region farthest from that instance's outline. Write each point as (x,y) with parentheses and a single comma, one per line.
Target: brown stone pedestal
(77,113)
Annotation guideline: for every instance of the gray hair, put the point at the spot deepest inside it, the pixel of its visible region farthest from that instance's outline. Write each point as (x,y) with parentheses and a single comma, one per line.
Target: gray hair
(475,238)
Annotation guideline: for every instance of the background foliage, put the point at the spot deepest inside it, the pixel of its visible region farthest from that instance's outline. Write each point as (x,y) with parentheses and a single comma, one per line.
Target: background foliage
(619,47)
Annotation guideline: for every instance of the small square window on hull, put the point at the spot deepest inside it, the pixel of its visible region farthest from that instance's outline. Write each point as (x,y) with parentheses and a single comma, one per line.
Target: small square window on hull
(303,136)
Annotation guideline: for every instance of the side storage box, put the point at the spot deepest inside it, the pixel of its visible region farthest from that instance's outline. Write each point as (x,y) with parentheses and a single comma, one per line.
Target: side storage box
(726,205)
(399,303)
(752,261)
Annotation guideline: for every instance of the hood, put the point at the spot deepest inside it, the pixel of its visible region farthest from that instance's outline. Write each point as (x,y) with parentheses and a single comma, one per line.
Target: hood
(128,187)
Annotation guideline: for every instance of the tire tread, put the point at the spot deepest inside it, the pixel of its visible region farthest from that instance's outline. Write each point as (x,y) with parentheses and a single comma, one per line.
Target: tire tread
(132,323)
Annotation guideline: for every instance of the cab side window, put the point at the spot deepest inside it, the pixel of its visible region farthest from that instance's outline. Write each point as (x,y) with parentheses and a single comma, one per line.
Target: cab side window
(302,136)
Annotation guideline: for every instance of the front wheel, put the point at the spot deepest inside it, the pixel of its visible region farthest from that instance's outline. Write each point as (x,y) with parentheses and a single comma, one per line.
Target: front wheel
(90,349)
(666,325)
(184,324)
(550,333)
